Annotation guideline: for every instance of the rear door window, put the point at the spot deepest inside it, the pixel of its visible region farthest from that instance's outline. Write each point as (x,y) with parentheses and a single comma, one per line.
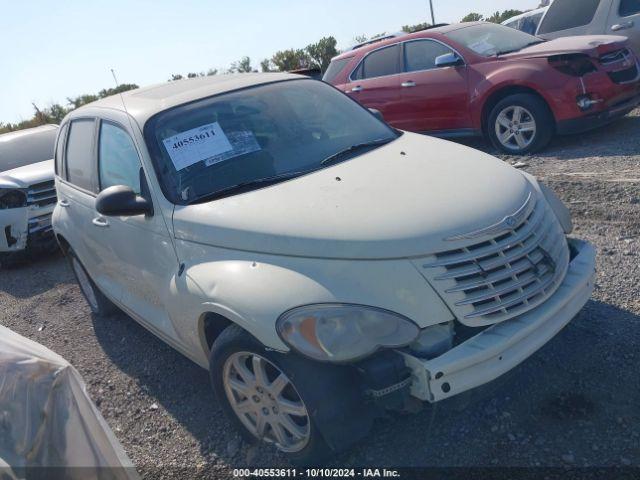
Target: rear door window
(566,14)
(379,63)
(80,155)
(629,7)
(422,54)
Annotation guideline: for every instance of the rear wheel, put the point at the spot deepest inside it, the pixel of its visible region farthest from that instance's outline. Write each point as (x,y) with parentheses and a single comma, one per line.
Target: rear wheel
(520,124)
(100,305)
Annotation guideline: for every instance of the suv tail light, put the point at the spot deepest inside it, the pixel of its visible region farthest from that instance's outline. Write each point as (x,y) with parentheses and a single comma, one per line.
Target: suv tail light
(573,64)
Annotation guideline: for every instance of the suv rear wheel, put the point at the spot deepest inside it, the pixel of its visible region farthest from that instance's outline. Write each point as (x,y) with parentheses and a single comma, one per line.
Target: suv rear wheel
(100,305)
(520,124)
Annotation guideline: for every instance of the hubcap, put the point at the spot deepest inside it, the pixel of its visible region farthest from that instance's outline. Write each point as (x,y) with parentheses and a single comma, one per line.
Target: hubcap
(85,284)
(515,128)
(266,402)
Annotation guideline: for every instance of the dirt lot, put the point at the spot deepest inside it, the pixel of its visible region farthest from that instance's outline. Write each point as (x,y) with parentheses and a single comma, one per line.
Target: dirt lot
(574,403)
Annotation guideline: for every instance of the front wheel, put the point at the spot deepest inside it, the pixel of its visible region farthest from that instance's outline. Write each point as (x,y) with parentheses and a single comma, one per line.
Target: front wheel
(520,124)
(261,392)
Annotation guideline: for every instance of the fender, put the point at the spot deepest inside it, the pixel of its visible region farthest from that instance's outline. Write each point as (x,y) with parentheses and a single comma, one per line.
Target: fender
(253,290)
(527,75)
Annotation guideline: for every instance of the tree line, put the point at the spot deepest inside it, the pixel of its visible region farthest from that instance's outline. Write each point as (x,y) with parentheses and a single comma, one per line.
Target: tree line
(315,55)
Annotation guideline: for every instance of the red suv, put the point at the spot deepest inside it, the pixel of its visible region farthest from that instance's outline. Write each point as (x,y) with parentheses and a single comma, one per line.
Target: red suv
(486,79)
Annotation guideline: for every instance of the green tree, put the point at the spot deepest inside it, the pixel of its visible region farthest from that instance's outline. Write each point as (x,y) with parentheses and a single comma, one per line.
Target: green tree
(415,28)
(322,52)
(241,66)
(82,100)
(123,87)
(212,71)
(472,17)
(290,59)
(501,17)
(265,65)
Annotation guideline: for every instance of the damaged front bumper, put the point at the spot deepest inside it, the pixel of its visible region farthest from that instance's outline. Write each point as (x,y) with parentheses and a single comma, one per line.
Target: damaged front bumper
(502,346)
(25,228)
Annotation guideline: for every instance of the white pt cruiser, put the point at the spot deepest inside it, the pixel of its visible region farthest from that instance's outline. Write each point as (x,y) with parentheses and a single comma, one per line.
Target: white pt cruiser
(323,266)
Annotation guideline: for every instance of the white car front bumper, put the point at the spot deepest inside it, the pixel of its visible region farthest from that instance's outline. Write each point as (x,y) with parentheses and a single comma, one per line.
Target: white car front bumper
(502,346)
(20,225)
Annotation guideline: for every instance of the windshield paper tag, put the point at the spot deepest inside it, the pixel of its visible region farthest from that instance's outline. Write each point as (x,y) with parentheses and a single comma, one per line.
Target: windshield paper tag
(196,145)
(243,144)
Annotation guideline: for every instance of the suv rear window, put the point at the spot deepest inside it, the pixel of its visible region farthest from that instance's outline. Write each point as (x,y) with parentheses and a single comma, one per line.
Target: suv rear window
(379,63)
(334,69)
(79,154)
(565,14)
(629,7)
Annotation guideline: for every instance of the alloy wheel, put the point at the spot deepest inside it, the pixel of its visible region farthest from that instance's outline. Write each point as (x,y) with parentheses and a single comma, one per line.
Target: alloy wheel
(266,401)
(515,128)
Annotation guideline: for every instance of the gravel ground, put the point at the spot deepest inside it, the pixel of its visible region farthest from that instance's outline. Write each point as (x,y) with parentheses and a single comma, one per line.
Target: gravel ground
(574,403)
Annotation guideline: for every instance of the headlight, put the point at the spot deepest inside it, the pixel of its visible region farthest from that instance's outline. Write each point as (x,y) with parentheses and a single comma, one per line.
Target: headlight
(12,199)
(341,333)
(561,211)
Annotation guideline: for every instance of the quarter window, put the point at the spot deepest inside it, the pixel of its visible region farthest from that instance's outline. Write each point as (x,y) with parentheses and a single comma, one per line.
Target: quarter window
(629,7)
(566,14)
(118,159)
(79,154)
(379,63)
(422,54)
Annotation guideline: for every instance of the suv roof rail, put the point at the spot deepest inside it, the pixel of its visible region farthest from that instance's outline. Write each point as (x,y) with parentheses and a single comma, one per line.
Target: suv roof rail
(378,39)
(394,35)
(429,27)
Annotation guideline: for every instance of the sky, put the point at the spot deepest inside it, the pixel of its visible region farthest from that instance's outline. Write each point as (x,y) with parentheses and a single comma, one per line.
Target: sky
(54,50)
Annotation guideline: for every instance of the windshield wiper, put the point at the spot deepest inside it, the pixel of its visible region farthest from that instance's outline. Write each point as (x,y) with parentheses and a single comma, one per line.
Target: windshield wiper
(246,185)
(530,44)
(353,148)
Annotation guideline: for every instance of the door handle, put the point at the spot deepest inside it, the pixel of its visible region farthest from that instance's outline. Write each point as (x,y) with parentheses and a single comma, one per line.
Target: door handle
(100,222)
(63,203)
(357,88)
(409,83)
(622,26)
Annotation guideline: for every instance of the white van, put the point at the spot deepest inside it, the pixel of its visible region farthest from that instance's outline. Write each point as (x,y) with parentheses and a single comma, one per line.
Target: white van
(593,17)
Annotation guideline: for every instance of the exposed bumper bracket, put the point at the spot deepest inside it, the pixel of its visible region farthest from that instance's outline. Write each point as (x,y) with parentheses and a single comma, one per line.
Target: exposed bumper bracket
(501,347)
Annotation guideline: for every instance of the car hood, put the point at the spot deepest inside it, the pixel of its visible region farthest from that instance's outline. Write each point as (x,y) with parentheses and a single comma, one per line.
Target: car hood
(592,45)
(23,177)
(400,200)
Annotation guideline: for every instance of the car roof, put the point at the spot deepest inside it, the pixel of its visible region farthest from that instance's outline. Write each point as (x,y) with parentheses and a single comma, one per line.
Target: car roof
(24,147)
(390,40)
(143,103)
(16,135)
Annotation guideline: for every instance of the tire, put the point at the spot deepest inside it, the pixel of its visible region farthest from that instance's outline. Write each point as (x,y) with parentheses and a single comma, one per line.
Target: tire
(520,124)
(236,351)
(99,304)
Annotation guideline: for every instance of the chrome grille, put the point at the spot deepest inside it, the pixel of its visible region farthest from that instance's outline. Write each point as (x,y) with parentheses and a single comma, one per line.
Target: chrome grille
(506,275)
(41,194)
(40,224)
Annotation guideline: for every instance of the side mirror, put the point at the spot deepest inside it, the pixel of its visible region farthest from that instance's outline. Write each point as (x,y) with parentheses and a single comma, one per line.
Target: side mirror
(377,113)
(448,60)
(122,201)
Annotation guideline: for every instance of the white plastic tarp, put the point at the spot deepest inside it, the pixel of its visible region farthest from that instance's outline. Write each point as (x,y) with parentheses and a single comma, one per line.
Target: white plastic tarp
(49,427)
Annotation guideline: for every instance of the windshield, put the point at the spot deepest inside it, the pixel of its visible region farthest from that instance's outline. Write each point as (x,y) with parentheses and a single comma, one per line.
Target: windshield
(269,132)
(21,148)
(488,39)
